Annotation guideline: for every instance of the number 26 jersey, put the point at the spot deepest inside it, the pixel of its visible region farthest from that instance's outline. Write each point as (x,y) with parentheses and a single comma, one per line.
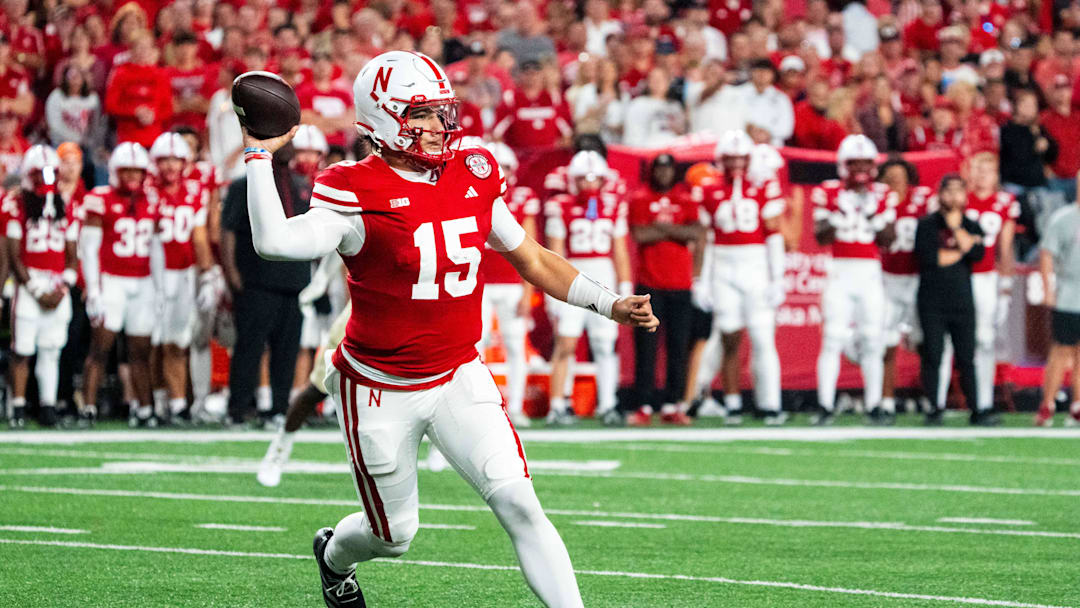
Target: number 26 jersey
(128,222)
(413,269)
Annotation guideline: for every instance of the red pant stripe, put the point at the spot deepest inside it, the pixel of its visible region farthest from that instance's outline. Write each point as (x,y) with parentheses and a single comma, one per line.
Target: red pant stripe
(361,481)
(376,500)
(521,449)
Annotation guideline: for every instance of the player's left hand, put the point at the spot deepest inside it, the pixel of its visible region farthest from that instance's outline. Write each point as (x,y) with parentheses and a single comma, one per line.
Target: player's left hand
(270,145)
(635,311)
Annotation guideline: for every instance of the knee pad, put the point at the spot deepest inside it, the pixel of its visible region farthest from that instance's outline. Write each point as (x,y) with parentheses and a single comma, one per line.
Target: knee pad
(402,531)
(516,504)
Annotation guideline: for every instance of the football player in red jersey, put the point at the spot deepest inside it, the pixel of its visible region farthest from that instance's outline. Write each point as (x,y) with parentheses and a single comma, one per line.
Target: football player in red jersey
(900,271)
(589,226)
(996,211)
(746,273)
(410,222)
(116,243)
(182,206)
(852,216)
(506,296)
(41,238)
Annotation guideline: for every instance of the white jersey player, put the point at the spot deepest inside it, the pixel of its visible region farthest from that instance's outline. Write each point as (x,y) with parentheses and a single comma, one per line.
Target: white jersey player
(589,226)
(996,212)
(409,223)
(746,273)
(851,215)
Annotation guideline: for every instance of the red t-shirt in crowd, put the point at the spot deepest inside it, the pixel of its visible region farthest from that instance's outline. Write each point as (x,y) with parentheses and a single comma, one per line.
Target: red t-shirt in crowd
(664,264)
(814,130)
(536,122)
(132,86)
(331,102)
(921,36)
(192,83)
(1066,132)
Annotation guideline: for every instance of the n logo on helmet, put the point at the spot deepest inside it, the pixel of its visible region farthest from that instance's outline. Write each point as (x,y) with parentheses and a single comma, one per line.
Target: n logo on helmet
(382,79)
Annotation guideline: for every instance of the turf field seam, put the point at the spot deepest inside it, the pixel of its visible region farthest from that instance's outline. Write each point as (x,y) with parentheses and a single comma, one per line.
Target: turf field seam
(786,523)
(604,573)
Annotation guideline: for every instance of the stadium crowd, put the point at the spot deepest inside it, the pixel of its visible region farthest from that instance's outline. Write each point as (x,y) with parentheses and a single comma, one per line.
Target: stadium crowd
(120,150)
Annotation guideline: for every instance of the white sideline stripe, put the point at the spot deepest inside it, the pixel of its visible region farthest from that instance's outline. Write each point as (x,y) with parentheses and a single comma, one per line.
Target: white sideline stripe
(616,524)
(335,193)
(786,523)
(827,434)
(608,573)
(887,455)
(424,526)
(46,529)
(985,520)
(240,528)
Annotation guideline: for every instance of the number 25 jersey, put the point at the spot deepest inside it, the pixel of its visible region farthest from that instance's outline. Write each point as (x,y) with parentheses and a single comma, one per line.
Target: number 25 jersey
(128,222)
(415,281)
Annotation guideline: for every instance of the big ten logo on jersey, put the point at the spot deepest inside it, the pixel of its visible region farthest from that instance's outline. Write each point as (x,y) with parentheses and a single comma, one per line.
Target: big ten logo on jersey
(132,237)
(44,235)
(440,256)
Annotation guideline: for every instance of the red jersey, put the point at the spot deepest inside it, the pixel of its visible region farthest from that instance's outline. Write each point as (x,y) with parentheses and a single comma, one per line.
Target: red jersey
(858,216)
(899,258)
(1066,131)
(532,123)
(179,213)
(415,283)
(127,224)
(923,139)
(132,86)
(922,36)
(186,84)
(664,264)
(589,223)
(11,154)
(333,102)
(728,16)
(522,203)
(43,243)
(14,82)
(736,210)
(991,213)
(205,173)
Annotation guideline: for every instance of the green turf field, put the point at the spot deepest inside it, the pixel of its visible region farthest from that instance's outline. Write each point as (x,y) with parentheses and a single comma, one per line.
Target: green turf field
(770,522)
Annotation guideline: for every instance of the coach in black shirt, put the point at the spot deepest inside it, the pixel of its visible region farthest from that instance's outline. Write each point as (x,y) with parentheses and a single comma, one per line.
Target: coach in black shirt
(264,294)
(947,244)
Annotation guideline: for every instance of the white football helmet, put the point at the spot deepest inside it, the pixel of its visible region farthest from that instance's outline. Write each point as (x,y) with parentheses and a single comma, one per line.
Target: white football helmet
(39,157)
(394,84)
(127,155)
(310,137)
(171,145)
(504,155)
(588,164)
(733,143)
(765,164)
(855,147)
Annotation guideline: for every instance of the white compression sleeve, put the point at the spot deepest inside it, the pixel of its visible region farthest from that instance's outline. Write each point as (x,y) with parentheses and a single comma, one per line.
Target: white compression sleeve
(774,251)
(304,237)
(89,249)
(590,295)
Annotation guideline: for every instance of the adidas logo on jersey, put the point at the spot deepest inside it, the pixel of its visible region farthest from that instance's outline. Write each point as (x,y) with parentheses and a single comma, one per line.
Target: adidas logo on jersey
(471,193)
(399,202)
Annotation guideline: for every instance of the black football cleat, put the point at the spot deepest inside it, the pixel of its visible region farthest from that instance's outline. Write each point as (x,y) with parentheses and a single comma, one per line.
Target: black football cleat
(47,416)
(18,418)
(935,417)
(823,417)
(987,418)
(338,591)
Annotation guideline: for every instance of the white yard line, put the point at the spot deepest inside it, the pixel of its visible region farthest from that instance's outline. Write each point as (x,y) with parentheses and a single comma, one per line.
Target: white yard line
(617,524)
(672,517)
(240,528)
(424,526)
(606,573)
(877,454)
(828,434)
(45,529)
(985,520)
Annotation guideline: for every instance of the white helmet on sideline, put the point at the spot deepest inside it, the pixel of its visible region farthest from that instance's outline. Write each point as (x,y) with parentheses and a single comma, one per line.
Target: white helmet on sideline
(589,164)
(39,157)
(171,145)
(310,137)
(127,155)
(733,143)
(392,84)
(855,147)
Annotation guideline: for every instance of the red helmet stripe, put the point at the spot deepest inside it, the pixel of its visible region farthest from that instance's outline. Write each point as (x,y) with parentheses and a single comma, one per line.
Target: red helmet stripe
(434,68)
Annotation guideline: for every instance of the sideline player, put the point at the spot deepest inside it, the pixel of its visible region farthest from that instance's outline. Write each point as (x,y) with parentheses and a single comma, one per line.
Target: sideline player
(852,215)
(900,274)
(747,274)
(116,244)
(589,226)
(182,206)
(41,235)
(410,236)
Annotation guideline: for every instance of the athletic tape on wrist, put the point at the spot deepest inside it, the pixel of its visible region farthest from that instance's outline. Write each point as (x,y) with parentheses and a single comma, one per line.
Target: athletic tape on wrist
(590,295)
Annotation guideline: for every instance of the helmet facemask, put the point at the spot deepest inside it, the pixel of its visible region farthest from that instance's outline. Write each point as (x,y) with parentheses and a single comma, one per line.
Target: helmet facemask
(409,145)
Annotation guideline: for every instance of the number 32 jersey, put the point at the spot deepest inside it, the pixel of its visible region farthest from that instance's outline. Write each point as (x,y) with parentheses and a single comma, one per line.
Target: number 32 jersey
(128,222)
(414,277)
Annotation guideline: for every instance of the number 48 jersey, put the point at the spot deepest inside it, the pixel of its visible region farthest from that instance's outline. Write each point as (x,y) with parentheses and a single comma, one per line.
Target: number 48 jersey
(413,264)
(128,222)
(899,258)
(588,222)
(736,210)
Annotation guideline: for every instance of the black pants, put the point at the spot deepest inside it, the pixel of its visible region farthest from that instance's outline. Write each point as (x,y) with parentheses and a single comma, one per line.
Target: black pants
(263,318)
(73,356)
(673,310)
(960,326)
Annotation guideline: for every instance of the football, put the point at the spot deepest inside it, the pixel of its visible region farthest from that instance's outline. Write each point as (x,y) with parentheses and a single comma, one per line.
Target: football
(266,105)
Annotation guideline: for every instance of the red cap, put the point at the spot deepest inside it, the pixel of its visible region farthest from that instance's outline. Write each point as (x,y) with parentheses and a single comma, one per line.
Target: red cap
(943,103)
